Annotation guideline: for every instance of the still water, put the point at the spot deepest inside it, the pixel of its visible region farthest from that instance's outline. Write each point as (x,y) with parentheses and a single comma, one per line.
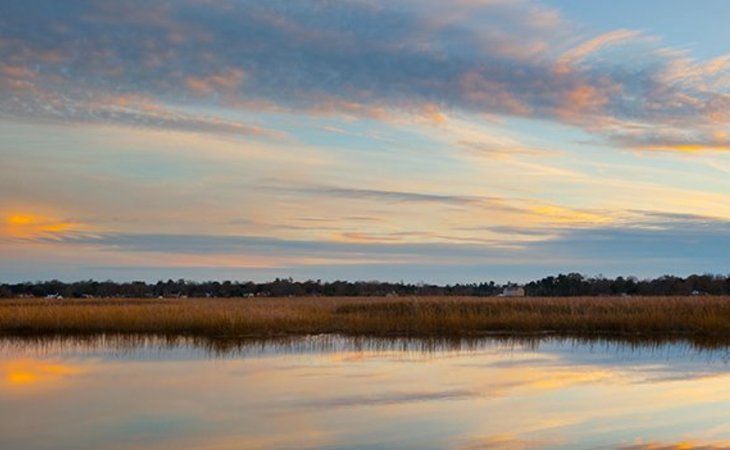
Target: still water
(328,392)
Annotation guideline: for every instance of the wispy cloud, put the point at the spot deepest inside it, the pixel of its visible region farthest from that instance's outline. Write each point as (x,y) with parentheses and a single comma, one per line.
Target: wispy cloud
(29,227)
(652,247)
(395,196)
(357,58)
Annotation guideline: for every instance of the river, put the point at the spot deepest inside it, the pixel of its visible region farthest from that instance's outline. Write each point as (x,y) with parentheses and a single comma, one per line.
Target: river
(331,392)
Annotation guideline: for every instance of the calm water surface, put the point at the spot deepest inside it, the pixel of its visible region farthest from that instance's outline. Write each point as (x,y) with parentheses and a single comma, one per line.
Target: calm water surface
(337,393)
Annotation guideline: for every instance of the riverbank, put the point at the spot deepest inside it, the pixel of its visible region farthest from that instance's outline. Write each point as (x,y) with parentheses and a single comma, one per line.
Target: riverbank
(372,316)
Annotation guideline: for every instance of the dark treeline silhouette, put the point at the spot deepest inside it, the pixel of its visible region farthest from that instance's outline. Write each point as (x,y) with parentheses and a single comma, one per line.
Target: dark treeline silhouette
(554,286)
(574,284)
(276,288)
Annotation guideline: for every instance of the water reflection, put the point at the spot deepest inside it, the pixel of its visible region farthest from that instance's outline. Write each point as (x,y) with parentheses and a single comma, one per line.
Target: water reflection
(29,371)
(639,346)
(336,392)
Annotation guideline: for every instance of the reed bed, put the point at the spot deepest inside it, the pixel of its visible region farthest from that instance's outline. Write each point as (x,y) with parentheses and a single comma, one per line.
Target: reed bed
(422,316)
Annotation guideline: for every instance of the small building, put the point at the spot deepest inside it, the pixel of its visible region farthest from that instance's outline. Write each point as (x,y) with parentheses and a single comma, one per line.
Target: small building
(513,291)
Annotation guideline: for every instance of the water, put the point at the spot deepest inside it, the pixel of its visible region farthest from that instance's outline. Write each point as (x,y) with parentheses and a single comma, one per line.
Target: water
(337,393)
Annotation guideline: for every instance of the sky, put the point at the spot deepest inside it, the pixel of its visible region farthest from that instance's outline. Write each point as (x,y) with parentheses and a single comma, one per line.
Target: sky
(415,140)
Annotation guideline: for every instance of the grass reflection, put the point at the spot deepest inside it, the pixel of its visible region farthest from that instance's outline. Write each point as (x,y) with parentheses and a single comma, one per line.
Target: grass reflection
(230,347)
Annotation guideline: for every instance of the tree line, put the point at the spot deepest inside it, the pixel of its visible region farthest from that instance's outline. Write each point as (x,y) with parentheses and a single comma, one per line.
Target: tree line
(572,284)
(277,288)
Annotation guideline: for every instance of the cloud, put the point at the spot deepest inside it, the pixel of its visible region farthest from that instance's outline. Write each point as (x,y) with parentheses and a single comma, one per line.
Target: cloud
(355,58)
(510,442)
(525,210)
(498,150)
(282,248)
(651,245)
(25,226)
(656,236)
(126,109)
(685,445)
(593,45)
(394,196)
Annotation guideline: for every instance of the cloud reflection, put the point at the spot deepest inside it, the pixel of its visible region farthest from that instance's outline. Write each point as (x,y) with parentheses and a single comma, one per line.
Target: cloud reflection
(32,373)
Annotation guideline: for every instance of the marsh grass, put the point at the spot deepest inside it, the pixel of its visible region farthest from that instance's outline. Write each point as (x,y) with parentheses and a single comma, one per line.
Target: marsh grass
(422,316)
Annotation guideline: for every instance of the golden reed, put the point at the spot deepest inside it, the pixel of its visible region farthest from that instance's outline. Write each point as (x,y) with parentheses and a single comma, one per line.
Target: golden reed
(421,316)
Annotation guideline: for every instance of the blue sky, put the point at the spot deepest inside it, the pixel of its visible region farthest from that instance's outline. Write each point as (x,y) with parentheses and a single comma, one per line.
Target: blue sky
(362,139)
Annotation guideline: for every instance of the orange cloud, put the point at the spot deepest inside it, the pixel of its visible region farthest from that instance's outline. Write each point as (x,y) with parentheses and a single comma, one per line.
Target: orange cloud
(679,446)
(366,237)
(586,96)
(132,101)
(687,148)
(17,72)
(593,45)
(559,215)
(434,114)
(478,89)
(29,226)
(215,83)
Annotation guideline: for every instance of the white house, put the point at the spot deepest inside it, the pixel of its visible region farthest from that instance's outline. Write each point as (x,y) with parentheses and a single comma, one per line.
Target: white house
(513,291)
